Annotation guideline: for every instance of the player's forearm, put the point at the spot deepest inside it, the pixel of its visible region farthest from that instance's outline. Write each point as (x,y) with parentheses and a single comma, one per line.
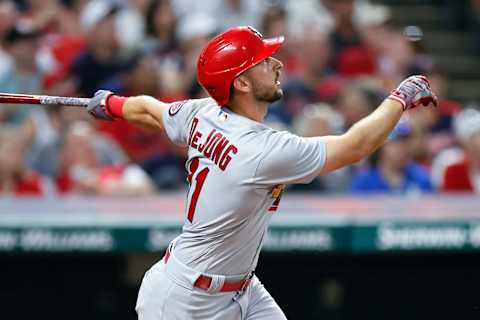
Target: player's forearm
(144,111)
(371,132)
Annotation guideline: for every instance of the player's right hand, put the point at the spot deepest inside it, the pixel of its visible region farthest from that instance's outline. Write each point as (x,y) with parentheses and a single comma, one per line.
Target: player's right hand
(98,105)
(413,92)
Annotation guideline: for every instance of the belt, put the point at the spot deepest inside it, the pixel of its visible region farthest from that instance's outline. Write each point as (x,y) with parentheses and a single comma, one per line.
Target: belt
(204,282)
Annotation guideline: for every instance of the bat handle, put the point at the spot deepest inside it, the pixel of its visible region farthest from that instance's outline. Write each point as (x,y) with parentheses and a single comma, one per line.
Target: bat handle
(66,101)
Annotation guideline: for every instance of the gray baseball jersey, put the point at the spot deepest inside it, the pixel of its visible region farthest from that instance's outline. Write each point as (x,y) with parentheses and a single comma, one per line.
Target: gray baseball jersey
(237,171)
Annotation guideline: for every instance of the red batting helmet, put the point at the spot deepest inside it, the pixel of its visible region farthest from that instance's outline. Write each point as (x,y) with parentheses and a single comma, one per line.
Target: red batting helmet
(228,55)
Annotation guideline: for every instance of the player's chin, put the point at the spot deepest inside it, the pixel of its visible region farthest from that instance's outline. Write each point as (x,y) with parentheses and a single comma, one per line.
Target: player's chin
(277,95)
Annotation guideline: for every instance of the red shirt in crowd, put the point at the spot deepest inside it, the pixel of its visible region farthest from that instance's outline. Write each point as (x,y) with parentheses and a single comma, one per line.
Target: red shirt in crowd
(30,184)
(457,178)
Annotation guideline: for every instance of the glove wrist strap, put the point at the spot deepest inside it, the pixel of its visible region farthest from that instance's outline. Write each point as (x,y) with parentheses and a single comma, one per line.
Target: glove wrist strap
(400,100)
(114,105)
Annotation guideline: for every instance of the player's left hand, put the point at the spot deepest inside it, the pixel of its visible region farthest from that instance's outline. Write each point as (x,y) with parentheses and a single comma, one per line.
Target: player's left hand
(413,92)
(98,105)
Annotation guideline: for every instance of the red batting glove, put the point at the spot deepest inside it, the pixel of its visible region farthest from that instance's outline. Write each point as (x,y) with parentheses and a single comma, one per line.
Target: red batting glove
(414,91)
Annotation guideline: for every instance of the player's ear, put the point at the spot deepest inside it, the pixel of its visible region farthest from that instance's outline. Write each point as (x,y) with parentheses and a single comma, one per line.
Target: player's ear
(241,84)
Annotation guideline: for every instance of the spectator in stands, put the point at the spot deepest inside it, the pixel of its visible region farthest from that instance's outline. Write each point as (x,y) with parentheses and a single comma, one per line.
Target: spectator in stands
(398,58)
(47,136)
(62,42)
(447,108)
(275,24)
(344,33)
(43,130)
(375,36)
(23,76)
(318,120)
(361,58)
(301,86)
(393,170)
(306,13)
(357,100)
(227,13)
(161,24)
(163,161)
(322,120)
(15,178)
(434,126)
(8,17)
(194,31)
(393,55)
(351,56)
(463,175)
(81,170)
(100,60)
(42,14)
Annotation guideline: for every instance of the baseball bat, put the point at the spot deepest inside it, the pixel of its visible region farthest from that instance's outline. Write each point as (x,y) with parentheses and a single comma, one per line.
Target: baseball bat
(43,99)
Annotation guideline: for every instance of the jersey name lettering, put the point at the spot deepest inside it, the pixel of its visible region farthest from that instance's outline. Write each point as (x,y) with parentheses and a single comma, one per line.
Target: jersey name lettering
(216,147)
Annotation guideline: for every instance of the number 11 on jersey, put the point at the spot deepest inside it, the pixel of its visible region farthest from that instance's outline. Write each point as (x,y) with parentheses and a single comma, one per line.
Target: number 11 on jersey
(197,188)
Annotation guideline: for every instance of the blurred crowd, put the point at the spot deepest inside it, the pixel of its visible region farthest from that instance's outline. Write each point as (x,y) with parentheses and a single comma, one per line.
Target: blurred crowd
(341,59)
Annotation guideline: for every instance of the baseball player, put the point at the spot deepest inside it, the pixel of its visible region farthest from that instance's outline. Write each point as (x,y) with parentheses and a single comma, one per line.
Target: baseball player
(237,170)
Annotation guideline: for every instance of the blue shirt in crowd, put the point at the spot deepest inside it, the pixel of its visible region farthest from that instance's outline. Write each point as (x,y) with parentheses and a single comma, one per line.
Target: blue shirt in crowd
(372,181)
